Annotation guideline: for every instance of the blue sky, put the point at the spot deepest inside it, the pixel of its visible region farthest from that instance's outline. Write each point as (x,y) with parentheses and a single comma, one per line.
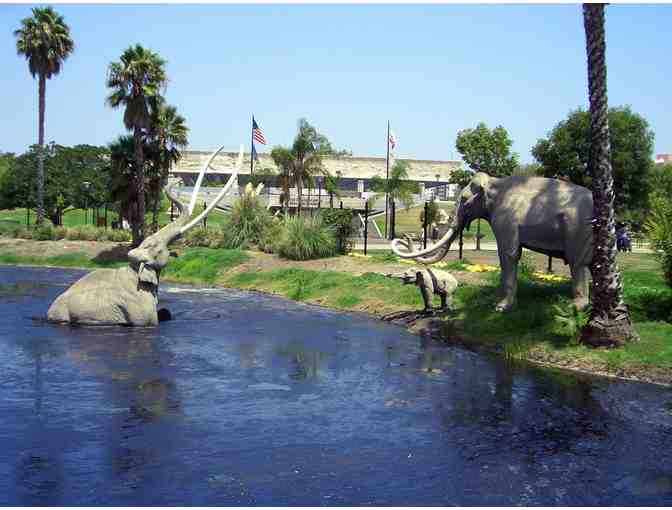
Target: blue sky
(430,69)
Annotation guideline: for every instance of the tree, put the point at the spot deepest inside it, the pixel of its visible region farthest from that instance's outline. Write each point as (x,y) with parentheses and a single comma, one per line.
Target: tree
(124,177)
(44,40)
(609,323)
(397,187)
(461,177)
(167,136)
(136,82)
(66,168)
(332,185)
(302,161)
(487,151)
(566,152)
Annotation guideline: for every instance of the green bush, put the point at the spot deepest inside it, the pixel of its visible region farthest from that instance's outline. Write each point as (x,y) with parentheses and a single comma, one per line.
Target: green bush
(271,236)
(306,238)
(43,233)
(526,265)
(59,233)
(247,223)
(24,233)
(119,236)
(197,237)
(659,228)
(340,221)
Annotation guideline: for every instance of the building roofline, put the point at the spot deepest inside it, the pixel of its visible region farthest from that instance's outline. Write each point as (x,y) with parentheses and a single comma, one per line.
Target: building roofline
(350,158)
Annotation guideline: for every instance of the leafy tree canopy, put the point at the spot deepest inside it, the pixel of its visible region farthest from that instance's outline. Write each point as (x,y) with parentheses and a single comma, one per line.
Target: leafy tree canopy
(461,177)
(66,171)
(486,150)
(567,149)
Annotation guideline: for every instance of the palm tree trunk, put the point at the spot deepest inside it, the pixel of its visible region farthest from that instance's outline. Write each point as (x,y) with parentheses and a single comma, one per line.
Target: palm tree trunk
(40,150)
(139,223)
(609,323)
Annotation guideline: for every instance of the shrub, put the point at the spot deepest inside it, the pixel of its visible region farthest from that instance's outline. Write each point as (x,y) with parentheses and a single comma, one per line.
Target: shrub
(247,223)
(197,237)
(526,265)
(119,236)
(340,221)
(304,239)
(43,233)
(271,236)
(24,233)
(659,228)
(59,233)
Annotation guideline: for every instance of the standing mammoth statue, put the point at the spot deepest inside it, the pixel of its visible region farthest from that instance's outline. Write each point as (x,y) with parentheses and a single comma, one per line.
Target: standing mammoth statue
(547,216)
(129,295)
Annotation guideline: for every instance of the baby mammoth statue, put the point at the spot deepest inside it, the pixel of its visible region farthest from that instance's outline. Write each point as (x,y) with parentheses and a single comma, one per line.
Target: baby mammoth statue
(431,282)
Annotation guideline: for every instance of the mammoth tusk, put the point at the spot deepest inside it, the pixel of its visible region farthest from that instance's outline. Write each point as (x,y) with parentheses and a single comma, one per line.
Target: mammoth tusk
(197,186)
(447,239)
(221,194)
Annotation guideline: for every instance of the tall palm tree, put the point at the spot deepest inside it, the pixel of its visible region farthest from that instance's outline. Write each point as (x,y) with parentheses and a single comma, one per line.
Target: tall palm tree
(397,187)
(332,185)
(168,136)
(299,163)
(45,41)
(124,177)
(137,82)
(609,322)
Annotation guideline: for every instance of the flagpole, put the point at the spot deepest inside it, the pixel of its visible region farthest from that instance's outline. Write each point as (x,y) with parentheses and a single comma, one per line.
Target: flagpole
(387,174)
(251,148)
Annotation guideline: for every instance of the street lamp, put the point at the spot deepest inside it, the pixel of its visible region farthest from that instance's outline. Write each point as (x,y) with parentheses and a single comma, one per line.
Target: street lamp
(86,185)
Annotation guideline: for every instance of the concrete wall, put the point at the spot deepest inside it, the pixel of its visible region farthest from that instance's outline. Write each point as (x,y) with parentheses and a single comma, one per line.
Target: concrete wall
(349,167)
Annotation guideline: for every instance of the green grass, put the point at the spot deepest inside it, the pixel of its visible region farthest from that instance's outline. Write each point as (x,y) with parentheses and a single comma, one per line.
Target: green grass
(331,288)
(75,217)
(70,260)
(202,265)
(532,328)
(408,222)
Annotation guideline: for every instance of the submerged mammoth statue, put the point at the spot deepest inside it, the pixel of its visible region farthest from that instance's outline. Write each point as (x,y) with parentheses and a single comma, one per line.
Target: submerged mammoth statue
(547,216)
(129,295)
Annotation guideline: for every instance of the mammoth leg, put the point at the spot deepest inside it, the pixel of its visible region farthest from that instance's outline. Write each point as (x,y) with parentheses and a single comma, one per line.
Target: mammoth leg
(509,282)
(580,286)
(425,291)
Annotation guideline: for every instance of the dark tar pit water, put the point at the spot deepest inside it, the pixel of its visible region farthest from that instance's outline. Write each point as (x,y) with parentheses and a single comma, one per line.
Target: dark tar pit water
(246,399)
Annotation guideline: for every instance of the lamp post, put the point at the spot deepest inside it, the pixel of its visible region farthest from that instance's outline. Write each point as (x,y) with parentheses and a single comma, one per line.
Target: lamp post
(86,185)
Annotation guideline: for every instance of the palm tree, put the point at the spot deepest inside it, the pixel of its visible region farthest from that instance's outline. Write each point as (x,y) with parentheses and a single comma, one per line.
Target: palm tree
(298,164)
(397,187)
(609,322)
(45,41)
(332,185)
(123,177)
(136,82)
(168,136)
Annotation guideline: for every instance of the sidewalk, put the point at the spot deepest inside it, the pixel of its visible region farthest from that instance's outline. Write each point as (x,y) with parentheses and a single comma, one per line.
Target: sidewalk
(381,244)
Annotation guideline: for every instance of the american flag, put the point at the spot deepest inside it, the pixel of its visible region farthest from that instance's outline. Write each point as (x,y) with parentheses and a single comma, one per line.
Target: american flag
(392,141)
(257,134)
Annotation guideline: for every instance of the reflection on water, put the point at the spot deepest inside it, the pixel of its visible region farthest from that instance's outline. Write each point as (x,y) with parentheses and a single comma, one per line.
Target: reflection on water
(249,400)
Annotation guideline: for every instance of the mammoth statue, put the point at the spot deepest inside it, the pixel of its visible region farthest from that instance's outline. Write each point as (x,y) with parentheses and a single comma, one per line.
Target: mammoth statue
(129,295)
(431,282)
(547,216)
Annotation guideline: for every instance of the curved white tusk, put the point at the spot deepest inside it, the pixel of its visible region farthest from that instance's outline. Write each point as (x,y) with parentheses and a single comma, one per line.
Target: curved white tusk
(197,186)
(421,253)
(221,194)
